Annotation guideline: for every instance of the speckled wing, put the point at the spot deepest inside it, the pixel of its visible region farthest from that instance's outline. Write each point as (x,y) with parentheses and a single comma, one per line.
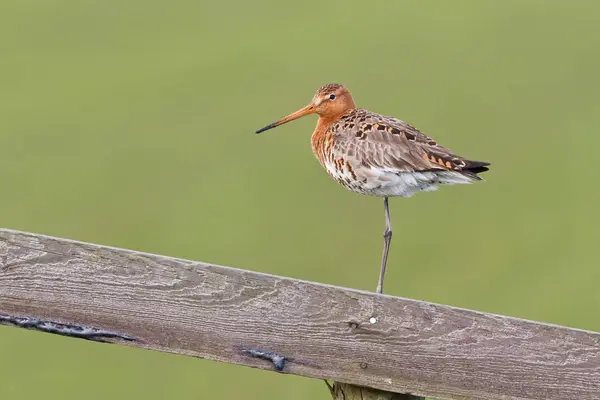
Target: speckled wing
(371,140)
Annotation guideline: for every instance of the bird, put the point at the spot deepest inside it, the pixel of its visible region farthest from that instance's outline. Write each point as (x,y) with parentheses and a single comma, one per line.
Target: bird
(378,155)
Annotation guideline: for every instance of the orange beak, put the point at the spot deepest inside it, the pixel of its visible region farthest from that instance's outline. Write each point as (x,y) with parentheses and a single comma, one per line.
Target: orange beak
(309,109)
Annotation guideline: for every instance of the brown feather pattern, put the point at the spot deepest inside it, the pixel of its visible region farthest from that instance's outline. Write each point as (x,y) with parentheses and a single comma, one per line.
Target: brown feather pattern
(360,142)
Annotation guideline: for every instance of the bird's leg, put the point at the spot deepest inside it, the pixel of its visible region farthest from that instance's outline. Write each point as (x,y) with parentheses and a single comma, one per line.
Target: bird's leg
(387,238)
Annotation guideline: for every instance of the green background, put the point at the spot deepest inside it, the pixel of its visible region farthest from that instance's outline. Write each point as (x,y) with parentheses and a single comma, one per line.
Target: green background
(130,123)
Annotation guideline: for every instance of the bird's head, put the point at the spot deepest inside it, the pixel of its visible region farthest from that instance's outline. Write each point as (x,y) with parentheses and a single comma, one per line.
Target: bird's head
(330,102)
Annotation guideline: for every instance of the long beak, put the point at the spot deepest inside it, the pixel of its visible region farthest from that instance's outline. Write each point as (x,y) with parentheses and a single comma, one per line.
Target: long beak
(309,109)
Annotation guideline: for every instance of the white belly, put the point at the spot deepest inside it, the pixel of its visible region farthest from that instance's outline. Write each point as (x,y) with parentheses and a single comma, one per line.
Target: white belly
(386,183)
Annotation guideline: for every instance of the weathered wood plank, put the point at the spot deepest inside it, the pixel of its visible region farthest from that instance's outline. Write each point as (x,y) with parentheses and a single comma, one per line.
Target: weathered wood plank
(239,316)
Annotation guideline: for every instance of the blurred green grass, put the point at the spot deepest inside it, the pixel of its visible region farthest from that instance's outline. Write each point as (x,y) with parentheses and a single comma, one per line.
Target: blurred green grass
(131,124)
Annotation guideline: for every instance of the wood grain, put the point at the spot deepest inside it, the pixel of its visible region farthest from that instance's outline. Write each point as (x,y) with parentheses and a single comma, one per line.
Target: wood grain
(322,331)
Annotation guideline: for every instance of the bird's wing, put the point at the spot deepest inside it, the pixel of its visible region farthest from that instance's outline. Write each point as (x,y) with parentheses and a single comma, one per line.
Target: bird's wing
(387,143)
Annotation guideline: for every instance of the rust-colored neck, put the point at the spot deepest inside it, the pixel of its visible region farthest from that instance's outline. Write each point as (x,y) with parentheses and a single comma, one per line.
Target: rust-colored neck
(325,122)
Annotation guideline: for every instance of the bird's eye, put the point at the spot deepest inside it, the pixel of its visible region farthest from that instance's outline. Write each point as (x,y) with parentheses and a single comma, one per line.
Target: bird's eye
(332,96)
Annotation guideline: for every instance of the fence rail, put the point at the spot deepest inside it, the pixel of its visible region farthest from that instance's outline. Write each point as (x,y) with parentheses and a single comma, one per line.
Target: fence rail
(288,325)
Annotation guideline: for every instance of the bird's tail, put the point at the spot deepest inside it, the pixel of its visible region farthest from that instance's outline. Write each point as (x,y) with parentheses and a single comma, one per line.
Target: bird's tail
(472,168)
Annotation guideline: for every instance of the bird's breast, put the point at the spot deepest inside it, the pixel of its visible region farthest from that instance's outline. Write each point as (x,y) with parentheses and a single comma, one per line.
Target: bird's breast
(338,166)
(322,144)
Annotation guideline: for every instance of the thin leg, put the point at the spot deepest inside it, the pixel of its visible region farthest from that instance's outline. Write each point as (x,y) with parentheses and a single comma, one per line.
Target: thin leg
(387,238)
(330,387)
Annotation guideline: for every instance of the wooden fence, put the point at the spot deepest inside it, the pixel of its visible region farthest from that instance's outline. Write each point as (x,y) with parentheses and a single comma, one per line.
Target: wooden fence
(358,339)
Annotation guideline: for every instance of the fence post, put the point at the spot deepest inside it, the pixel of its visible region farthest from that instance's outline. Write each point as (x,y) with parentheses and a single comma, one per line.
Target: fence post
(346,391)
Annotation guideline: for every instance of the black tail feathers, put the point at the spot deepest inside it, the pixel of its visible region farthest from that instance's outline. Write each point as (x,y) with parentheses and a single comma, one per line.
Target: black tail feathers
(475,167)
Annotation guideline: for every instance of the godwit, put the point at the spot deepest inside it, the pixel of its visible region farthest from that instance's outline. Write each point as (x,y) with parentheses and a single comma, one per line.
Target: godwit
(376,155)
